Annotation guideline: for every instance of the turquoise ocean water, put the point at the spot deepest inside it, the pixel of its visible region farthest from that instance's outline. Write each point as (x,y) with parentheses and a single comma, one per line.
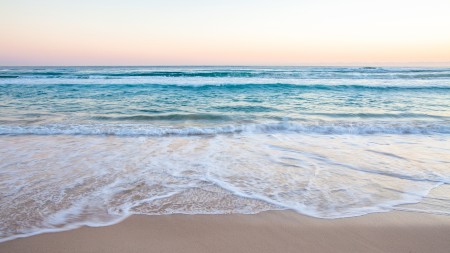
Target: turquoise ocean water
(92,145)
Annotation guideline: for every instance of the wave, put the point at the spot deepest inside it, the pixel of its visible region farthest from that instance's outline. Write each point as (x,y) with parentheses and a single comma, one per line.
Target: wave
(171,117)
(245,108)
(376,115)
(338,128)
(229,72)
(228,84)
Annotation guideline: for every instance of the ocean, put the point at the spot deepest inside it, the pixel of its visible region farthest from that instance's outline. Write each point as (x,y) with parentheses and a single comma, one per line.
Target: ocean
(93,145)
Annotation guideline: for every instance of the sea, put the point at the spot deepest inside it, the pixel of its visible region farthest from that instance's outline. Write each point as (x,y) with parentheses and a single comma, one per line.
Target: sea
(93,145)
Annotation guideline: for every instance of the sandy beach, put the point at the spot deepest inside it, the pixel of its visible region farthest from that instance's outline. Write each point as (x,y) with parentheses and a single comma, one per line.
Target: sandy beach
(275,231)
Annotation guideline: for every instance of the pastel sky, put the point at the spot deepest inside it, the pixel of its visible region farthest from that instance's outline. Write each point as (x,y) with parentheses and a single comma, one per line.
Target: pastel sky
(224,32)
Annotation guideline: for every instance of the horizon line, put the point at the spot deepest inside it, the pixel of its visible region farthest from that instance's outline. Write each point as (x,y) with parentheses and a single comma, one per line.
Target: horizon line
(373,64)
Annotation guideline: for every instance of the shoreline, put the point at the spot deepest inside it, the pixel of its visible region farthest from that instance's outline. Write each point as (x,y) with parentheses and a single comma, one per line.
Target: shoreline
(271,231)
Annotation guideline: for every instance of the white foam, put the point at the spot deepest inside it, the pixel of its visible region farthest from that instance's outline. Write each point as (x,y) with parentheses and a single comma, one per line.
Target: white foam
(72,181)
(380,127)
(385,82)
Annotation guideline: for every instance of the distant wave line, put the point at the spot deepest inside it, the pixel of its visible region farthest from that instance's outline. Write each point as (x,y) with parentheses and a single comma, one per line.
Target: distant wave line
(243,85)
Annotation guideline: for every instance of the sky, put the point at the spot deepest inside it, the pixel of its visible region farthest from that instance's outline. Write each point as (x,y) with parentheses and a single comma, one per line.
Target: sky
(224,32)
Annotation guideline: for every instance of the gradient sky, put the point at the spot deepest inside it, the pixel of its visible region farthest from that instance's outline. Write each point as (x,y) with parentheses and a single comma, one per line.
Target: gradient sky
(228,32)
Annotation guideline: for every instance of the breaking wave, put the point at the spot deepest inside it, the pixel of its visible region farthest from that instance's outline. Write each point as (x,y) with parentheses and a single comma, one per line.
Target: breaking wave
(353,128)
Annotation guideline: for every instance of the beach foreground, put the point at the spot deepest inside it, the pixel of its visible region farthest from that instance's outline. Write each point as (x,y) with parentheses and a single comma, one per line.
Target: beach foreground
(274,231)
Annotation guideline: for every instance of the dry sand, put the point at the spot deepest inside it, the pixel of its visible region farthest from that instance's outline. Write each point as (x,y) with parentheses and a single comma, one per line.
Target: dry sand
(277,231)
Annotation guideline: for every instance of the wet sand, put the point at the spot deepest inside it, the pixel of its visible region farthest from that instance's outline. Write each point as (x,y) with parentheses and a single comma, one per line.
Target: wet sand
(275,231)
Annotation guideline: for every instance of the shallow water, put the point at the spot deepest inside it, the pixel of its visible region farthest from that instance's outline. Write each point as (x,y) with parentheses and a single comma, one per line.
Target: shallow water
(92,145)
